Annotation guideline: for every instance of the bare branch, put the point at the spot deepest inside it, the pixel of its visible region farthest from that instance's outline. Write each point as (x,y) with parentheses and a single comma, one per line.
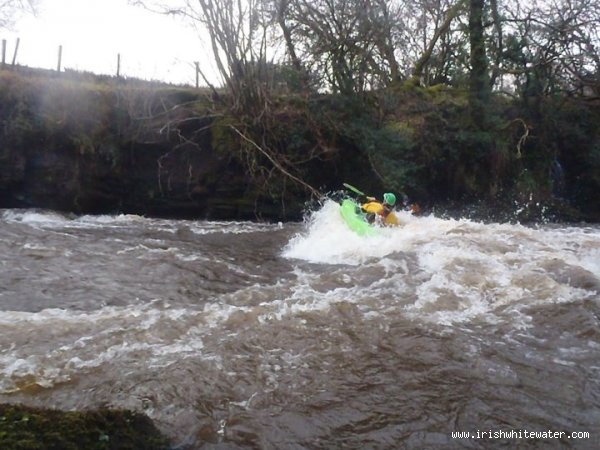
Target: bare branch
(276,164)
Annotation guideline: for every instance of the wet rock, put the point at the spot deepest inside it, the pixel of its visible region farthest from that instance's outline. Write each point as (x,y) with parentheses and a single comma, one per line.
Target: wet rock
(27,428)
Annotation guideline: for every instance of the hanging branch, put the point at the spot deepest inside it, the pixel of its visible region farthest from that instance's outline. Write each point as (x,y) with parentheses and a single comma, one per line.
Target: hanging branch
(279,167)
(523,138)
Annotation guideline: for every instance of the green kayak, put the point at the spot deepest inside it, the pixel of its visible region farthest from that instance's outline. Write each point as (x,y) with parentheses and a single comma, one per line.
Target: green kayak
(355,219)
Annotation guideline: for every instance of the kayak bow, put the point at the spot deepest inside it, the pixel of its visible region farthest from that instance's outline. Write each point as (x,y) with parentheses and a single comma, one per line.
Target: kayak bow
(355,219)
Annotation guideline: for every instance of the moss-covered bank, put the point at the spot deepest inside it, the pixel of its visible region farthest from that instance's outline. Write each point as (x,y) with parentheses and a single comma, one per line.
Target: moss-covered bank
(91,144)
(95,145)
(25,428)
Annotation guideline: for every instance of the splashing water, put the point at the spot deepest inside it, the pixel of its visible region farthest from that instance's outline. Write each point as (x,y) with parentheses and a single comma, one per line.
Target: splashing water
(304,335)
(458,270)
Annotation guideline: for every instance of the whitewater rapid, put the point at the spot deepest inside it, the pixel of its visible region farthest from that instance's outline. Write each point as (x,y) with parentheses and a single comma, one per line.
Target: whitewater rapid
(466,269)
(258,335)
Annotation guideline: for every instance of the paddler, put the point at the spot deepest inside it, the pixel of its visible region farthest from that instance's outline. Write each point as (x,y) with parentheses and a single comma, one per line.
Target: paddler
(382,212)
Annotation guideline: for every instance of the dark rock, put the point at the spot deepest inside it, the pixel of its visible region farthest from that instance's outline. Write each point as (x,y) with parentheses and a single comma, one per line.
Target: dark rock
(27,428)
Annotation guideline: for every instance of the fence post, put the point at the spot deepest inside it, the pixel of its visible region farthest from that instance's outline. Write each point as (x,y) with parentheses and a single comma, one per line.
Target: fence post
(16,50)
(197,73)
(59,58)
(118,65)
(3,52)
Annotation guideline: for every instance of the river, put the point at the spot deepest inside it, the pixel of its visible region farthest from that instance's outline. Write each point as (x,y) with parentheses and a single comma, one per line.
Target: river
(239,335)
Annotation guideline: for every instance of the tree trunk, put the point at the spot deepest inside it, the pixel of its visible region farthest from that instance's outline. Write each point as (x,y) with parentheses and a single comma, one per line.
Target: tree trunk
(424,59)
(479,86)
(282,7)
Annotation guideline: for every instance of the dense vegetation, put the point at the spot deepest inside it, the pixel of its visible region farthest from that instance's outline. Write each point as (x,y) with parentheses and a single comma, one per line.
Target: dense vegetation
(94,144)
(513,75)
(453,102)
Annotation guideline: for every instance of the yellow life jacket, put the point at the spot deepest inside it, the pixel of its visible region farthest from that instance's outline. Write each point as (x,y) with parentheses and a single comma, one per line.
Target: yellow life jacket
(375,207)
(391,220)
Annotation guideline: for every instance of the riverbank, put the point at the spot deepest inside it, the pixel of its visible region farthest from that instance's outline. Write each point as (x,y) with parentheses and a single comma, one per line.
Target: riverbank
(95,144)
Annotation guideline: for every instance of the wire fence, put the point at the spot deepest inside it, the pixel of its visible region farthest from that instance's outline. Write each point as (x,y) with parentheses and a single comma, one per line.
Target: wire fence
(11,60)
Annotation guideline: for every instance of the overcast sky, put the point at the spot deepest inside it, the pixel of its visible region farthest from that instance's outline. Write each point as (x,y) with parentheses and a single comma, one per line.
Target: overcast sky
(93,32)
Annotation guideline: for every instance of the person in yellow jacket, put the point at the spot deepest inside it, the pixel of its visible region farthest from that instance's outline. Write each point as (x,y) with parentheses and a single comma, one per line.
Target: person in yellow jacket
(382,212)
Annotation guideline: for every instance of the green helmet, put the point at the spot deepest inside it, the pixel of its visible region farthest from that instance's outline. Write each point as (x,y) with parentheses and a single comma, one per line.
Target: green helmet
(389,198)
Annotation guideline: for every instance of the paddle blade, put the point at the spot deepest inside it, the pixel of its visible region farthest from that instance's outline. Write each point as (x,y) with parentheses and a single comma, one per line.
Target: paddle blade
(353,189)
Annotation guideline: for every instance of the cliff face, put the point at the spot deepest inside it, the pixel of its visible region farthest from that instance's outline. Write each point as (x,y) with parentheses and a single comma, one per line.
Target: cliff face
(98,147)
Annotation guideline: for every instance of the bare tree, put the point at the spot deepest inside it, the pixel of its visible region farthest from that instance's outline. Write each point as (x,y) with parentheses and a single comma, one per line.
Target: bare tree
(281,14)
(552,47)
(347,44)
(11,9)
(239,34)
(441,31)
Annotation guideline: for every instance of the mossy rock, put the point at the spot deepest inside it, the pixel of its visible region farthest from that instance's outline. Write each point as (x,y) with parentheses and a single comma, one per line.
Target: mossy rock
(26,428)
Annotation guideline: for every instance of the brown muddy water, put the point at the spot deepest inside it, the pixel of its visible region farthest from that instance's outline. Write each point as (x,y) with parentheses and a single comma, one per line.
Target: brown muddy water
(237,335)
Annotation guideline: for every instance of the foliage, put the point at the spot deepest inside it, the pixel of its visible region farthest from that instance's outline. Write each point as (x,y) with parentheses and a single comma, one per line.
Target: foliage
(407,138)
(354,49)
(389,149)
(573,139)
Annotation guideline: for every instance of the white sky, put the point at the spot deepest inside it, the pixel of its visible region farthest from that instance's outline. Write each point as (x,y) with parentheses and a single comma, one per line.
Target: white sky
(93,32)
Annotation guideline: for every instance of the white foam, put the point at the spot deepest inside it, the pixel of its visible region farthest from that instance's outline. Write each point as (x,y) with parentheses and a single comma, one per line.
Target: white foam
(231,227)
(51,345)
(447,272)
(54,220)
(329,240)
(34,218)
(464,270)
